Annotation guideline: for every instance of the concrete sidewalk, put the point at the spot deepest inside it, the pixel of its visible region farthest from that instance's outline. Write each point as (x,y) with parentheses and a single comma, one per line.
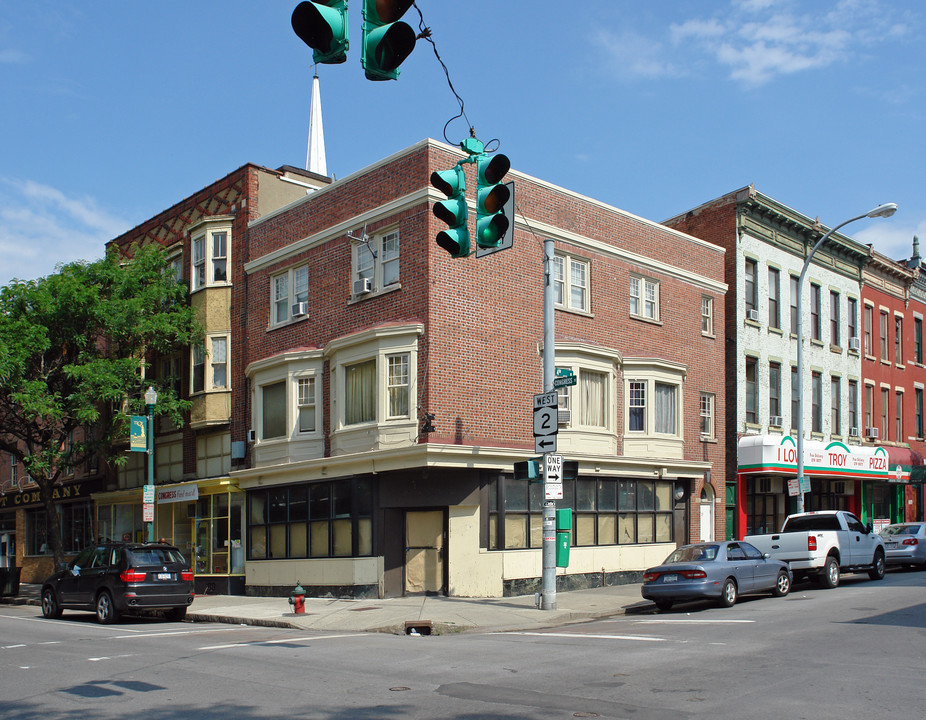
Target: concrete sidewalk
(423,614)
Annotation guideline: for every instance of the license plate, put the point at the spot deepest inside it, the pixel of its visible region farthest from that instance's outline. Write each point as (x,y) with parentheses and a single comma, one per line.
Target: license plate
(669,578)
(165,576)
(890,546)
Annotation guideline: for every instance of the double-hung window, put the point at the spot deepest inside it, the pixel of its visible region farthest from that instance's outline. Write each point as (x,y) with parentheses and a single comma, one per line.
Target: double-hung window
(774,391)
(376,263)
(210,252)
(707,315)
(398,383)
(752,288)
(305,402)
(816,320)
(570,283)
(884,336)
(852,319)
(707,415)
(898,340)
(853,404)
(644,298)
(360,392)
(835,405)
(637,406)
(794,297)
(289,294)
(816,402)
(752,391)
(774,295)
(834,319)
(918,339)
(210,365)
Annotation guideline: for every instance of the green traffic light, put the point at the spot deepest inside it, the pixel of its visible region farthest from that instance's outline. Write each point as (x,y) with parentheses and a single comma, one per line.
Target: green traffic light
(491,196)
(322,25)
(453,211)
(386,42)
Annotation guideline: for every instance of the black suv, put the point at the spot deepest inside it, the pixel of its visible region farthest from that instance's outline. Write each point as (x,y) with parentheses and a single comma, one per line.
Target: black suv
(115,577)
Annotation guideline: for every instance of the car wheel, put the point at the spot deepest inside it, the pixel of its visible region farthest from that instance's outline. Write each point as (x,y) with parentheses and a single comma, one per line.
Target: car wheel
(50,607)
(176,614)
(877,567)
(829,578)
(782,584)
(663,604)
(728,594)
(106,612)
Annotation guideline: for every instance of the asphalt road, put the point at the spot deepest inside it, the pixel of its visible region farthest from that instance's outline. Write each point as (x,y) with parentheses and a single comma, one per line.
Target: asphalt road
(853,652)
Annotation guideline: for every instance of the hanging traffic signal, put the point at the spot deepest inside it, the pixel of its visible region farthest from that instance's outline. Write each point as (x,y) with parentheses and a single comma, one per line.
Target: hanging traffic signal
(322,25)
(386,42)
(491,196)
(453,210)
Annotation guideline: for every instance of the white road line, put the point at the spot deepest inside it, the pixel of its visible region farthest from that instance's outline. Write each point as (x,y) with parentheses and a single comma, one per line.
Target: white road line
(691,621)
(168,633)
(641,638)
(10,647)
(278,642)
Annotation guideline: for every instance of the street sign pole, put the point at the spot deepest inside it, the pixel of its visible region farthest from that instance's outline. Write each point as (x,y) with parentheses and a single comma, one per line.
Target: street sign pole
(548,586)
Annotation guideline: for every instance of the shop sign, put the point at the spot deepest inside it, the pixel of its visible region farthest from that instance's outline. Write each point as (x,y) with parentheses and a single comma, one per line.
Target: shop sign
(186,493)
(31,497)
(771,454)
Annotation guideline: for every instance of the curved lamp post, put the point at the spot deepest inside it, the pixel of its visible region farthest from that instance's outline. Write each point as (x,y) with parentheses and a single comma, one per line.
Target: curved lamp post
(885,210)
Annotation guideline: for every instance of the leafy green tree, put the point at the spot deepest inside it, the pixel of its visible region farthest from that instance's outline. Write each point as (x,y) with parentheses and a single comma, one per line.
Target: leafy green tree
(74,348)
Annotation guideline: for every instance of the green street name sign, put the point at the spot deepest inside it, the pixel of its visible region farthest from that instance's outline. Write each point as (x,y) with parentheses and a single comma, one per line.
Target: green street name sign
(564,381)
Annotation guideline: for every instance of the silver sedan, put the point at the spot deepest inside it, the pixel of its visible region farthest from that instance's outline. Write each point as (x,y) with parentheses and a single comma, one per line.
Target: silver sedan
(905,544)
(720,571)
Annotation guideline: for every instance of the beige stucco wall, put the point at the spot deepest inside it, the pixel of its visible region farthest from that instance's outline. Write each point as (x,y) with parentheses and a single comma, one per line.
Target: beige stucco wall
(317,571)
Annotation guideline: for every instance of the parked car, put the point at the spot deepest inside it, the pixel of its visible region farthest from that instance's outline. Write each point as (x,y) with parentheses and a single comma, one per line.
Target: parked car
(905,544)
(113,578)
(721,571)
(823,544)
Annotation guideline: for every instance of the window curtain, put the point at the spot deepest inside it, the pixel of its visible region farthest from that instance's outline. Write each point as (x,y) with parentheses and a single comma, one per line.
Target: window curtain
(665,409)
(359,384)
(593,399)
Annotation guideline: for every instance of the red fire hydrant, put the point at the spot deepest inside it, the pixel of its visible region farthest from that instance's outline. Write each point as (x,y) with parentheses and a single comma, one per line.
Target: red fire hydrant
(297,599)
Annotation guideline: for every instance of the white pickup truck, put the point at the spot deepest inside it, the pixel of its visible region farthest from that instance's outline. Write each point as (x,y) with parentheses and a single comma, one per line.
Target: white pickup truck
(823,544)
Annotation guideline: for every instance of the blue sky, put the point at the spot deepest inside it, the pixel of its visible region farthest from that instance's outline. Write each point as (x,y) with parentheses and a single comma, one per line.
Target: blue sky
(114,110)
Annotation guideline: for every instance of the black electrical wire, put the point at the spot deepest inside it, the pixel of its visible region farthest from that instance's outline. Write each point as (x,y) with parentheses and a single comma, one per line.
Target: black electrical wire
(425,34)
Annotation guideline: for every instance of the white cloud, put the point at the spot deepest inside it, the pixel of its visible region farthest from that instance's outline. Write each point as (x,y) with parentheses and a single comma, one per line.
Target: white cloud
(756,40)
(12,56)
(634,56)
(41,226)
(893,239)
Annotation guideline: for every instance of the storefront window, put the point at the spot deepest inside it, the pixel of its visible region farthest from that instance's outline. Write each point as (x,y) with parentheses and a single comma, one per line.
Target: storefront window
(331,519)
(606,512)
(76,529)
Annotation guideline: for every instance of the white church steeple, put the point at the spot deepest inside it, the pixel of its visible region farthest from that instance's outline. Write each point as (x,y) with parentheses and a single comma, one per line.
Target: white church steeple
(315,153)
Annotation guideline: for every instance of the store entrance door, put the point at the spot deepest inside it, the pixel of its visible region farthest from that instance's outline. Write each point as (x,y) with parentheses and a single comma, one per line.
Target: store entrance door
(424,552)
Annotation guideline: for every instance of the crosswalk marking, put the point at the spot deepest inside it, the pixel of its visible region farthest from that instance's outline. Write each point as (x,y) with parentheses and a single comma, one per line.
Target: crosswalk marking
(280,641)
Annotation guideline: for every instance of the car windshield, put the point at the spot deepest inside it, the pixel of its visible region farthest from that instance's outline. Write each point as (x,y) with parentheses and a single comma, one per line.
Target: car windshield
(693,553)
(154,556)
(900,530)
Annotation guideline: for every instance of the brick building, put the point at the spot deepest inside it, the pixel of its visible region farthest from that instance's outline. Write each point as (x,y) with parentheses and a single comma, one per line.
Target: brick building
(352,339)
(848,466)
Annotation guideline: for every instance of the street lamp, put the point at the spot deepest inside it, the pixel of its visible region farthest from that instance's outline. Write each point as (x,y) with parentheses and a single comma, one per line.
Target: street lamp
(885,210)
(151,398)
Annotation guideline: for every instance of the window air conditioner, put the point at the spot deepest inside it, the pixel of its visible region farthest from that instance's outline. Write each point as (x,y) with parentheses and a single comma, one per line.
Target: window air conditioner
(753,315)
(872,433)
(362,286)
(300,309)
(564,416)
(853,432)
(774,420)
(854,344)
